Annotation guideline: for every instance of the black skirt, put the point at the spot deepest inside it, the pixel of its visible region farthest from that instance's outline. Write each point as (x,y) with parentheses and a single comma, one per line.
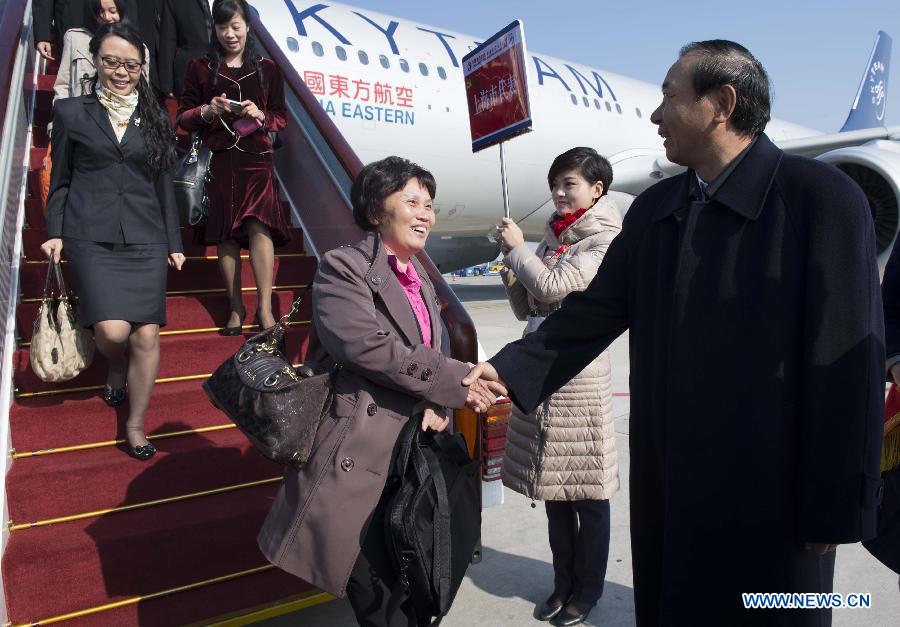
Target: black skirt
(118,281)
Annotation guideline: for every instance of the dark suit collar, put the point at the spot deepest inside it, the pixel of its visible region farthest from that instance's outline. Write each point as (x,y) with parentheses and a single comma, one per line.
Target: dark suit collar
(381,280)
(99,115)
(131,130)
(745,189)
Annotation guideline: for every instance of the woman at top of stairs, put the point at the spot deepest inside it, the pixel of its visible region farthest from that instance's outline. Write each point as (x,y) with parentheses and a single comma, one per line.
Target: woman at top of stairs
(233,99)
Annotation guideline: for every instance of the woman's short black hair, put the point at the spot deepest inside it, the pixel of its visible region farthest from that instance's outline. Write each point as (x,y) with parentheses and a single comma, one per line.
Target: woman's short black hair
(380,179)
(95,6)
(592,166)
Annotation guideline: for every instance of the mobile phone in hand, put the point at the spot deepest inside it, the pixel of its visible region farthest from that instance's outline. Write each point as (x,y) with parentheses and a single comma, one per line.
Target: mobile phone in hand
(235,106)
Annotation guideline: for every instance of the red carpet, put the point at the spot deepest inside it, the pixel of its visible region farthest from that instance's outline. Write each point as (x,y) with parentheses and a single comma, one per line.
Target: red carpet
(80,564)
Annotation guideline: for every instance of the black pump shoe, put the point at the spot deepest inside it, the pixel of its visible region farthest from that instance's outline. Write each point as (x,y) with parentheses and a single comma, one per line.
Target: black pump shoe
(142,453)
(113,396)
(232,331)
(551,607)
(574,613)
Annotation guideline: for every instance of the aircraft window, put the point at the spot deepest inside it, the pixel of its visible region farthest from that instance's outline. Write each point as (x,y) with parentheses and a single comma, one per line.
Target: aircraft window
(596,103)
(292,45)
(442,72)
(618,108)
(363,58)
(423,69)
(608,106)
(340,52)
(574,99)
(404,65)
(384,61)
(638,111)
(587,102)
(318,50)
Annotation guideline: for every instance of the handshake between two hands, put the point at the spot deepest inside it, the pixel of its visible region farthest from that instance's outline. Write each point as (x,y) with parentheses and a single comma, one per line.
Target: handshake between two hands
(485,385)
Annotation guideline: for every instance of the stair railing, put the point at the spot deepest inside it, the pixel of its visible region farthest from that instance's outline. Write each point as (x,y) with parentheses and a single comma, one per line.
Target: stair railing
(18,73)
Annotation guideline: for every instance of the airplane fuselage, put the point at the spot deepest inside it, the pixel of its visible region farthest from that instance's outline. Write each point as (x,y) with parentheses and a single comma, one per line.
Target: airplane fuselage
(393,86)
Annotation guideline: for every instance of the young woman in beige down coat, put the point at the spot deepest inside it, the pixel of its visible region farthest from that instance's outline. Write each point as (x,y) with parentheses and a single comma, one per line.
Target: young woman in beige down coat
(565,452)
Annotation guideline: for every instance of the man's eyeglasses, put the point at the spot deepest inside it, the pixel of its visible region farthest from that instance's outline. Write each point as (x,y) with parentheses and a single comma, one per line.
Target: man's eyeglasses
(112,63)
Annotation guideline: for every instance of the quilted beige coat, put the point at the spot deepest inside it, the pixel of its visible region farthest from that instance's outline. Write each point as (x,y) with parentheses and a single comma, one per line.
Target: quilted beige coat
(566,449)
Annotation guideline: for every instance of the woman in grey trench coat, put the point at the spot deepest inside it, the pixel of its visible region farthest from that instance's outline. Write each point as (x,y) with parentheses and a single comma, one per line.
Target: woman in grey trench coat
(376,314)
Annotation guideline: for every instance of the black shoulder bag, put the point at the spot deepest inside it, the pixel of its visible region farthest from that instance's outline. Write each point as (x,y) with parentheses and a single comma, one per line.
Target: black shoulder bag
(278,408)
(433,520)
(190,179)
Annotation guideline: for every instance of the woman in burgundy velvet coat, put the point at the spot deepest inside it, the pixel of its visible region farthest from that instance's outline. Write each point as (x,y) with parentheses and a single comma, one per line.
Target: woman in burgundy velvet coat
(244,208)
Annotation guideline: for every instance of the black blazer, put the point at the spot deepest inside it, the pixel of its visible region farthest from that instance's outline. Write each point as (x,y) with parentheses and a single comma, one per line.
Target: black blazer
(101,190)
(184,33)
(148,17)
(55,17)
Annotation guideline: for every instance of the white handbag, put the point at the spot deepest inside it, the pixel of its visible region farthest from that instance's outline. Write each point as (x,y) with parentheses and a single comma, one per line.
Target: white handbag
(60,347)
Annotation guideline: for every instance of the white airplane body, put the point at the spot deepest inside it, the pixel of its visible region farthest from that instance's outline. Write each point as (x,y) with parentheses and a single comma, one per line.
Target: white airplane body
(393,86)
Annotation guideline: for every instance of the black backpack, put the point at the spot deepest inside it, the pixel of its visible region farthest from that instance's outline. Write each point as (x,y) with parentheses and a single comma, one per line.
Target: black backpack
(433,521)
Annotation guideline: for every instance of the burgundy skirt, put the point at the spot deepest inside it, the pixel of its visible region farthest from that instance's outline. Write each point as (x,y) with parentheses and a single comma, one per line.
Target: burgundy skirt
(242,186)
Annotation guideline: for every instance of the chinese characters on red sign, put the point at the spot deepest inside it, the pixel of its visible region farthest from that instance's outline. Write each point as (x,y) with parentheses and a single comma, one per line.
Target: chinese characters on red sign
(365,91)
(497,88)
(503,91)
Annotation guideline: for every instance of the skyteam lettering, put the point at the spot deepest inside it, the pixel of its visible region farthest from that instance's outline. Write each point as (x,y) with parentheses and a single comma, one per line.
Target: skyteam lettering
(544,70)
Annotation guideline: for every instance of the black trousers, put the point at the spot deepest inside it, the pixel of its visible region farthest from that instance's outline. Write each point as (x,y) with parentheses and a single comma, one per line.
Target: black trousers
(372,578)
(579,540)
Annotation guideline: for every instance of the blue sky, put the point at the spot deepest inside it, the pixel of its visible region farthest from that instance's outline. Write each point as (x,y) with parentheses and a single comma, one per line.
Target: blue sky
(815,51)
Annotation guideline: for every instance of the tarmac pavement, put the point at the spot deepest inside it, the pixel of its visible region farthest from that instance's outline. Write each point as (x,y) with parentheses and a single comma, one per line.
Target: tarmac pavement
(516,575)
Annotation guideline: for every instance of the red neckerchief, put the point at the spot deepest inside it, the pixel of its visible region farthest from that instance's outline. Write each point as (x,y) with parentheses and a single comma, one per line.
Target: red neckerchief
(561,224)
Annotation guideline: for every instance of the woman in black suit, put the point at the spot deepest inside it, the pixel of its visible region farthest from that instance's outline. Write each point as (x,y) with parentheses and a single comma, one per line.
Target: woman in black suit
(112,207)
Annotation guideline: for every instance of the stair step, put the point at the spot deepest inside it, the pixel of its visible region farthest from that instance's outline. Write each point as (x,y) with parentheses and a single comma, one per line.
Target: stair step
(43,97)
(36,234)
(180,355)
(45,82)
(39,135)
(62,485)
(196,273)
(57,568)
(52,422)
(34,211)
(36,158)
(195,607)
(185,313)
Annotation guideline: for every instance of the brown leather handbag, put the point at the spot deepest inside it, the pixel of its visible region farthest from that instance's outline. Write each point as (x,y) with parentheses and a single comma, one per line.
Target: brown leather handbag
(277,407)
(60,347)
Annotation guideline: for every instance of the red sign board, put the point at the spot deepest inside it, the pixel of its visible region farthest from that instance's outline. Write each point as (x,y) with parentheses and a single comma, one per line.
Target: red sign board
(497,88)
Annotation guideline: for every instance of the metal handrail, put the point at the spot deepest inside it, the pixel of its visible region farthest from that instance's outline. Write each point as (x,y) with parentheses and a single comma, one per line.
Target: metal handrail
(12,19)
(16,104)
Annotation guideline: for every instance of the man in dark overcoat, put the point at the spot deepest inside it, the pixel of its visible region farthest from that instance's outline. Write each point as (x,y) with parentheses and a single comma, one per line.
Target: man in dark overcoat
(749,288)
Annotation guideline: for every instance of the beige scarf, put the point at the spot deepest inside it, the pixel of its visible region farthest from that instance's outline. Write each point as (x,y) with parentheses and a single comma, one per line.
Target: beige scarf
(119,108)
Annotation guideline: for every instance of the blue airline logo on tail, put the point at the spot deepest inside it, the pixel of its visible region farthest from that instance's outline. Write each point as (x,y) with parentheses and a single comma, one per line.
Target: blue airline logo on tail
(871,99)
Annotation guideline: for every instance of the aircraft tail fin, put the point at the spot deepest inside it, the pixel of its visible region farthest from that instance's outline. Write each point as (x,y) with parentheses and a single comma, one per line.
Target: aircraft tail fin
(871,98)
